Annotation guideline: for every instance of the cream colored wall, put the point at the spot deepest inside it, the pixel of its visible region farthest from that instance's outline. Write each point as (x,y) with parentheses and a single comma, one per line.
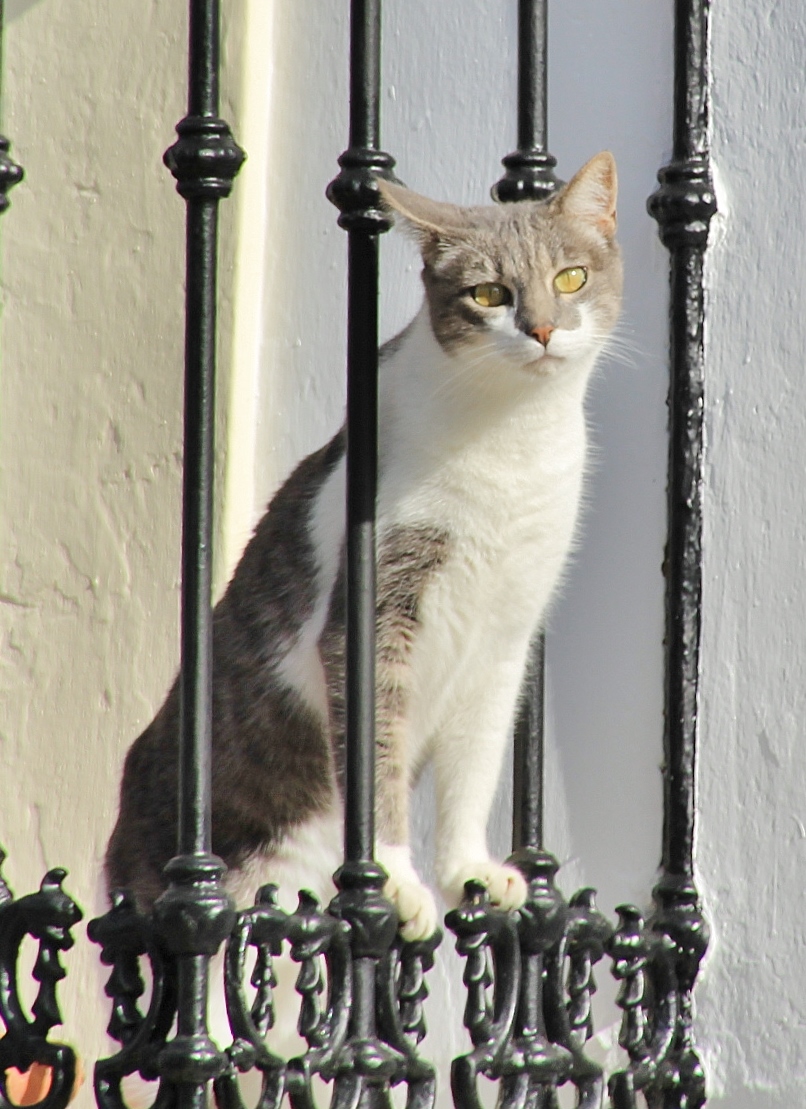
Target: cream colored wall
(90,433)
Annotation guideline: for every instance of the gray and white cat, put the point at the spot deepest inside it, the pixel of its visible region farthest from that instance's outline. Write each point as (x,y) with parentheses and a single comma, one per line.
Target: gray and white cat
(482,459)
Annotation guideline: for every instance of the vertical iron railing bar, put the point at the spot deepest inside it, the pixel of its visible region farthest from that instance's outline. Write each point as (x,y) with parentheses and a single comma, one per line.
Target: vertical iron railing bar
(195,915)
(10,172)
(530,169)
(365,75)
(203,60)
(532,75)
(530,176)
(194,824)
(529,753)
(366,1064)
(683,206)
(362,420)
(362,453)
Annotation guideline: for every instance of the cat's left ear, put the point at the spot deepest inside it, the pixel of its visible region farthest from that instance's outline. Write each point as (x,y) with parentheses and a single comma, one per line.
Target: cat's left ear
(430,222)
(590,196)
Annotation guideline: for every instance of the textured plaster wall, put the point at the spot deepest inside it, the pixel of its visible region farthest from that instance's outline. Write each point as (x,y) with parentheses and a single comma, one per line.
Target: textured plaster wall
(90,434)
(751,846)
(90,437)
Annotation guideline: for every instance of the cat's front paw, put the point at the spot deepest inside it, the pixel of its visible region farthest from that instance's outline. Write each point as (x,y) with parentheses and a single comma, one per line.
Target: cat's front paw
(414,901)
(505,884)
(416,908)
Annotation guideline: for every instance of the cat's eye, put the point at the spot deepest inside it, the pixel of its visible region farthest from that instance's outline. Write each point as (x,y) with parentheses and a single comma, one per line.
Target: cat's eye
(491,294)
(571,280)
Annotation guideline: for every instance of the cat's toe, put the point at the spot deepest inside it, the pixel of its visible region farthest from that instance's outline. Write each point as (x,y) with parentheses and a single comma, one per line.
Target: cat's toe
(416,908)
(505,884)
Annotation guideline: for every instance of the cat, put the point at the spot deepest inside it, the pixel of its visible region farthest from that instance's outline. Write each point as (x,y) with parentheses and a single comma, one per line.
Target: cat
(482,457)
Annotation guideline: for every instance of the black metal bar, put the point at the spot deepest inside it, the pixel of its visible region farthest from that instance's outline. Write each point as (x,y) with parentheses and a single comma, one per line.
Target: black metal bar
(194,916)
(368,1064)
(529,753)
(532,75)
(530,176)
(530,169)
(683,206)
(355,193)
(10,173)
(193,835)
(362,451)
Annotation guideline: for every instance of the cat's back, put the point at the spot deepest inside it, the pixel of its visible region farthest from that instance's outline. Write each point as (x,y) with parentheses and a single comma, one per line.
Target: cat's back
(268,691)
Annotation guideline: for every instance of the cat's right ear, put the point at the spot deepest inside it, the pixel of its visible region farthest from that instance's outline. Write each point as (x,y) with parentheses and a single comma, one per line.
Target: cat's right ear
(590,195)
(429,222)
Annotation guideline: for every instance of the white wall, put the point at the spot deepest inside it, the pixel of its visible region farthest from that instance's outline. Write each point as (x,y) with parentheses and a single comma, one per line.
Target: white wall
(90,438)
(751,846)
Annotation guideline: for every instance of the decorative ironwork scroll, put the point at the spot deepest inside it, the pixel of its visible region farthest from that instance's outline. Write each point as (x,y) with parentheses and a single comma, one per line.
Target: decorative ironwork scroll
(263,928)
(47,917)
(126,937)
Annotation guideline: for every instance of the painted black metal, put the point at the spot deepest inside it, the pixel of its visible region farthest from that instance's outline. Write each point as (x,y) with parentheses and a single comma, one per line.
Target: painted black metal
(126,937)
(530,169)
(46,917)
(10,173)
(355,193)
(195,915)
(263,928)
(529,758)
(683,206)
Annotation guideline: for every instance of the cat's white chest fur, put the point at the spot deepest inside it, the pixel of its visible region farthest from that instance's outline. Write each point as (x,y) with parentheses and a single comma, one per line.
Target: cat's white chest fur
(494,457)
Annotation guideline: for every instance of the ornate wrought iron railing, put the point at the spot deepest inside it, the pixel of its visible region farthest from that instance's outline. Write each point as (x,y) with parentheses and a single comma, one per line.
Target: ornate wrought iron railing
(528,974)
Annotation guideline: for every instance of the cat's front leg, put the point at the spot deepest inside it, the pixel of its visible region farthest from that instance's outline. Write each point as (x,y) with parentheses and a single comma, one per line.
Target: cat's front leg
(467,759)
(407,557)
(413,900)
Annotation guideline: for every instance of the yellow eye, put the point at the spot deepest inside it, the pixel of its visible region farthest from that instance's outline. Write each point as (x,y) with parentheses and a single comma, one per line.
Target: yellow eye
(491,294)
(571,280)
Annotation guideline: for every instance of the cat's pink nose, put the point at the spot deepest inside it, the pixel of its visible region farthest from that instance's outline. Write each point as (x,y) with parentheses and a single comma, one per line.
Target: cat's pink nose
(543,334)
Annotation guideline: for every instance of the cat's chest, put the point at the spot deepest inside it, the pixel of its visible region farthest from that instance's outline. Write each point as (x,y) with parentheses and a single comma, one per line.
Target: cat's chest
(499,492)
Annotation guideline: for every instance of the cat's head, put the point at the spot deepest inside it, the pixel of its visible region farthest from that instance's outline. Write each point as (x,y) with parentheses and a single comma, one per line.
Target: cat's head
(536,284)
